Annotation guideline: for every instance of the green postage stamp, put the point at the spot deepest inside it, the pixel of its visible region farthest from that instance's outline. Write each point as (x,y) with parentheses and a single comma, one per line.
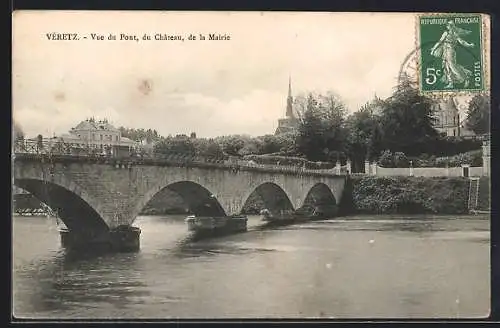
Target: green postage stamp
(451,53)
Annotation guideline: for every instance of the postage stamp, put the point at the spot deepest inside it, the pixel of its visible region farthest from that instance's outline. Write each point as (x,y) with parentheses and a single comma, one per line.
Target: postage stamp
(451,53)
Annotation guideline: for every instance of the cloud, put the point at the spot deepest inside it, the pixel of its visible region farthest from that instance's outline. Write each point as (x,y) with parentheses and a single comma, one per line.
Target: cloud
(210,87)
(60,120)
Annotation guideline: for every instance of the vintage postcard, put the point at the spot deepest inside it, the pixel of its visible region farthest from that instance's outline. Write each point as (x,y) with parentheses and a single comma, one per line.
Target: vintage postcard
(228,165)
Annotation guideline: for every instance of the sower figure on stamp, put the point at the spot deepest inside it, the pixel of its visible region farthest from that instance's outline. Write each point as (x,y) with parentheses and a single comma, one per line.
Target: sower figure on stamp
(445,49)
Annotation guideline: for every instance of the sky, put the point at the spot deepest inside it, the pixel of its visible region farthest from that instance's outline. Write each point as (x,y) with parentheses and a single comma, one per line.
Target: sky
(236,86)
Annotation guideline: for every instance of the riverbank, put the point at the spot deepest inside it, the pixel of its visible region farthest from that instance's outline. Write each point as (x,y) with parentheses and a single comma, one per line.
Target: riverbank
(411,195)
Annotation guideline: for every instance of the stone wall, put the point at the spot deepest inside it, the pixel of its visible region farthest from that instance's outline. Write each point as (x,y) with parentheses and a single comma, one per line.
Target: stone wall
(424,171)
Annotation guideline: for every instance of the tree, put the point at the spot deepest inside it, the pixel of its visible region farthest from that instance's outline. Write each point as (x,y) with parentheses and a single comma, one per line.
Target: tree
(269,144)
(407,120)
(322,134)
(213,150)
(478,114)
(140,135)
(287,143)
(177,145)
(252,147)
(207,148)
(376,142)
(361,127)
(231,145)
(311,140)
(386,159)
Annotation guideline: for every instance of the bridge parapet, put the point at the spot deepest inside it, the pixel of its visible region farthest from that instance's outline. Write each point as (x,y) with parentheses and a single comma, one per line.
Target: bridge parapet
(46,151)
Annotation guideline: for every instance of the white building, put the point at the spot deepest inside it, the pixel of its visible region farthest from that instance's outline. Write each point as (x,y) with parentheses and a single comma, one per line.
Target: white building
(99,135)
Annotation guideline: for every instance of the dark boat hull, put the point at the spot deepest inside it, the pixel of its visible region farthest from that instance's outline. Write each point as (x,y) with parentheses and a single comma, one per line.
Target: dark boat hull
(303,214)
(216,226)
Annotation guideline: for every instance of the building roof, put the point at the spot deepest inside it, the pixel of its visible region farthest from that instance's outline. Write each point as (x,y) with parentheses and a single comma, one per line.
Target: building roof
(447,105)
(127,140)
(91,125)
(85,125)
(106,126)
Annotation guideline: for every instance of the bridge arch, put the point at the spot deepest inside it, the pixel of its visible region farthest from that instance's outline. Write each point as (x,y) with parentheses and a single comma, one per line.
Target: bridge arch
(319,194)
(200,200)
(75,207)
(273,196)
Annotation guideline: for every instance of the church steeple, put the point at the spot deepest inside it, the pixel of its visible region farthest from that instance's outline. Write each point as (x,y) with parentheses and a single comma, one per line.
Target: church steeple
(289,100)
(289,122)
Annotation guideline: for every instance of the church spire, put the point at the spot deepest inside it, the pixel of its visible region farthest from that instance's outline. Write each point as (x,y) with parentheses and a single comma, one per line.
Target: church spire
(289,100)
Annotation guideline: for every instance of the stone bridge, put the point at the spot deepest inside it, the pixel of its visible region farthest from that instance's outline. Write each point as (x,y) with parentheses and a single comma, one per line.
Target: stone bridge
(93,195)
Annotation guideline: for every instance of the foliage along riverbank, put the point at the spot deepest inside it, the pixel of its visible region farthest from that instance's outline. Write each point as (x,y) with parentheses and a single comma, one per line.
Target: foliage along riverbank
(410,195)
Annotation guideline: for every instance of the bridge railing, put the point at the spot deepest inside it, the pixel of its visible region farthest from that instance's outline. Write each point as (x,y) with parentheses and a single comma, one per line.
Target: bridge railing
(58,147)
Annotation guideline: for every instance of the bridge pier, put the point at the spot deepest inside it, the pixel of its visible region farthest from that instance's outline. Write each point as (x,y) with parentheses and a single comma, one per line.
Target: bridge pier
(121,239)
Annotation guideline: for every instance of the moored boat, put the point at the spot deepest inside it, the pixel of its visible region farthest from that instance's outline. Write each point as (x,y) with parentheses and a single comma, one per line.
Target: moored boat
(302,214)
(216,225)
(282,218)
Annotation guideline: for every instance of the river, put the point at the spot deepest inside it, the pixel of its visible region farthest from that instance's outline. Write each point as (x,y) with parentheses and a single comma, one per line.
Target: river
(350,267)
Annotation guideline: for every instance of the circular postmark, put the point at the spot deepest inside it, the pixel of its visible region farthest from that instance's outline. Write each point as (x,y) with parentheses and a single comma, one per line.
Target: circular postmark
(410,68)
(411,71)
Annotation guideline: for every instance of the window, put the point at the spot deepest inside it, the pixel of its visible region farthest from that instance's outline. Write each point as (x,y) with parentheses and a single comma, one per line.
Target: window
(101,136)
(93,136)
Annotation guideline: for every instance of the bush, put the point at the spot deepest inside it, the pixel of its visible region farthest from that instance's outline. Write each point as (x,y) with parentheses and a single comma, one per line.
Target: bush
(389,195)
(400,160)
(472,158)
(386,159)
(285,160)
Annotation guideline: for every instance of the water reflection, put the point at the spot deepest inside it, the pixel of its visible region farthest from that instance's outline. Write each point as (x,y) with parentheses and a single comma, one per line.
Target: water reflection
(414,267)
(90,278)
